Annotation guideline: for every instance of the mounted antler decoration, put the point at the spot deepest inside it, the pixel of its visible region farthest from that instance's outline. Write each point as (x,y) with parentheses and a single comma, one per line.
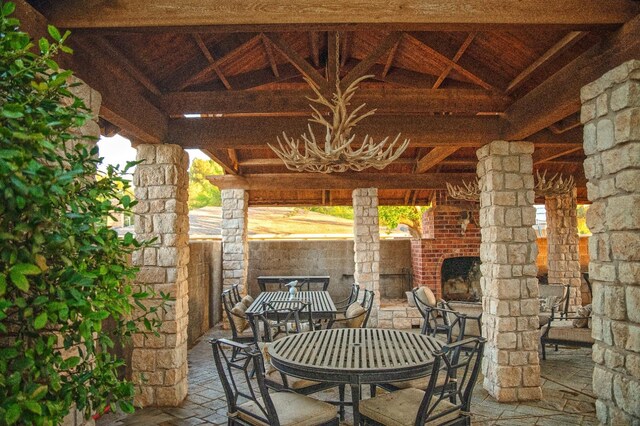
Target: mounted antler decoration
(337,154)
(556,185)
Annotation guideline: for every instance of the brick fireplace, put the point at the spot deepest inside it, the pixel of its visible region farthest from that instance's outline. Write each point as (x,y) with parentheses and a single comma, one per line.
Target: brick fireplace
(450,229)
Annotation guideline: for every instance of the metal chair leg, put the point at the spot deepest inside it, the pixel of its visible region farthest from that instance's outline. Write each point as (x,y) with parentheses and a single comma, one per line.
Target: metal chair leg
(341,393)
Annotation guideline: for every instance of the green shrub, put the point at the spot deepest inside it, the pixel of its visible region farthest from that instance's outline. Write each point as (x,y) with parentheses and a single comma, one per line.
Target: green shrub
(63,272)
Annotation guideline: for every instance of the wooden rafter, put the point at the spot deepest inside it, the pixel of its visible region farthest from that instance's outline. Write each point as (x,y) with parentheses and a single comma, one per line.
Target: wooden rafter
(363,66)
(314,45)
(454,65)
(434,157)
(392,54)
(298,61)
(563,44)
(347,41)
(465,44)
(207,54)
(276,162)
(345,181)
(272,60)
(544,156)
(332,68)
(222,158)
(565,125)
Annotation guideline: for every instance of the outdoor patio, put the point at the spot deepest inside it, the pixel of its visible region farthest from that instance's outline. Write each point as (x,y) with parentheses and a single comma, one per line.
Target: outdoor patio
(565,376)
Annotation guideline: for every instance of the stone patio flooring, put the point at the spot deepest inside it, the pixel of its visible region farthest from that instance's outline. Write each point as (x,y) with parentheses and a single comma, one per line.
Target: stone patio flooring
(566,380)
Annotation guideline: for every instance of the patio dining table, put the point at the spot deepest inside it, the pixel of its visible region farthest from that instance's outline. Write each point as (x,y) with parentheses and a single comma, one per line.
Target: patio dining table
(355,357)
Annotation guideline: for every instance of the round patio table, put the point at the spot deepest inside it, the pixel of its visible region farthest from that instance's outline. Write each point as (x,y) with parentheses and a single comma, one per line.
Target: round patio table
(355,357)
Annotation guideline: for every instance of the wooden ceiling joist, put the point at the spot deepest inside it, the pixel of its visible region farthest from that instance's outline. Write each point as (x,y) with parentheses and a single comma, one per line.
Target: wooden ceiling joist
(207,54)
(255,132)
(544,156)
(364,65)
(465,44)
(272,60)
(434,157)
(223,159)
(559,95)
(392,55)
(294,102)
(424,14)
(276,162)
(332,69)
(346,181)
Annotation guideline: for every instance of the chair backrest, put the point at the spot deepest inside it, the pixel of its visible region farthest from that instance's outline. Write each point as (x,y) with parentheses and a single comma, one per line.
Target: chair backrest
(235,293)
(367,304)
(560,292)
(282,317)
(228,303)
(432,322)
(235,378)
(459,325)
(459,364)
(319,283)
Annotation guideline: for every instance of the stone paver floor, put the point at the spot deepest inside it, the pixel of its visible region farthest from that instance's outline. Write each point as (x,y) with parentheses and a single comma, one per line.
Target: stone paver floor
(566,381)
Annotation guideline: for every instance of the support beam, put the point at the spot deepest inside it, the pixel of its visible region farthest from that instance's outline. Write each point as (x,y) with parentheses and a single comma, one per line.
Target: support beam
(221,157)
(425,14)
(345,181)
(314,45)
(276,162)
(255,132)
(269,51)
(333,69)
(364,65)
(207,54)
(434,157)
(465,44)
(544,156)
(294,102)
(392,55)
(559,96)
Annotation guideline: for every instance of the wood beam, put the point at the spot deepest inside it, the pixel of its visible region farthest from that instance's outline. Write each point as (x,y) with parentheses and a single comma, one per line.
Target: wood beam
(364,65)
(276,162)
(434,157)
(314,45)
(559,96)
(207,54)
(432,14)
(347,41)
(392,55)
(222,158)
(463,47)
(344,181)
(563,44)
(548,139)
(544,156)
(255,132)
(333,68)
(269,51)
(386,100)
(298,61)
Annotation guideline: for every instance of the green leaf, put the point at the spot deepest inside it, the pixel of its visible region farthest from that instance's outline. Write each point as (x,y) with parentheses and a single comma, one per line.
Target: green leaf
(39,392)
(3,284)
(40,321)
(8,8)
(34,407)
(126,407)
(26,269)
(13,414)
(54,33)
(43,43)
(19,280)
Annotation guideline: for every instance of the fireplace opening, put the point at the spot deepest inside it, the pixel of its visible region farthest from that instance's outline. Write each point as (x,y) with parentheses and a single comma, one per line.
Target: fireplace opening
(461,279)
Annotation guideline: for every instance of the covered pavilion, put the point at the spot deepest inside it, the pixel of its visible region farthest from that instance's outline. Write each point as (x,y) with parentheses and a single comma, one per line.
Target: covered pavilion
(495,89)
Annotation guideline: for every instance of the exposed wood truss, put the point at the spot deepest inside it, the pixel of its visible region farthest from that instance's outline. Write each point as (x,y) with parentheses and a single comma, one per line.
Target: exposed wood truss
(435,156)
(465,44)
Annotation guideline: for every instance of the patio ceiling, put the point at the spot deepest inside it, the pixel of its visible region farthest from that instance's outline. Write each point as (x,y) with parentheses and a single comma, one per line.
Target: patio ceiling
(450,75)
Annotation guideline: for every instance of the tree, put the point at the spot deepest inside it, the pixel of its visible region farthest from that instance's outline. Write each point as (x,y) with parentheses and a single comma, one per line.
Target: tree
(392,216)
(63,272)
(201,191)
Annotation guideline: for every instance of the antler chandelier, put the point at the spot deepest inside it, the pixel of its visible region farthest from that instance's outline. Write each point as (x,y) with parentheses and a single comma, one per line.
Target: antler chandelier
(338,152)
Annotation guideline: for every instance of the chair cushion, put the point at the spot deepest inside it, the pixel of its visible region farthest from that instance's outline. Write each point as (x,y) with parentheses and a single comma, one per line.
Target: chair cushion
(294,383)
(355,315)
(584,312)
(426,296)
(247,300)
(569,334)
(400,408)
(239,317)
(293,410)
(421,383)
(544,318)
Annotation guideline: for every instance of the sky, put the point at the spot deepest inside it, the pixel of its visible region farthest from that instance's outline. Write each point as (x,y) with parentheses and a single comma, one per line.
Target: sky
(118,150)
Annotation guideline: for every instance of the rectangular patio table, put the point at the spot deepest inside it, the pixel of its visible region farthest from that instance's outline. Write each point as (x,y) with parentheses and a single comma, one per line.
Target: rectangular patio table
(304,280)
(355,357)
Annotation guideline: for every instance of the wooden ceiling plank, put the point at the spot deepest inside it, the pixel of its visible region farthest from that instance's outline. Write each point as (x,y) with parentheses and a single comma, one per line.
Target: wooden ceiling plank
(298,61)
(545,157)
(207,54)
(398,99)
(364,65)
(434,14)
(222,158)
(559,95)
(344,181)
(468,74)
(269,51)
(434,157)
(563,44)
(463,47)
(392,55)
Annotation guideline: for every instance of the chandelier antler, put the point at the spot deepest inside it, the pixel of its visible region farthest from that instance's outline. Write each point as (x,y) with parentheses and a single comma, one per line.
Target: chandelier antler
(337,154)
(556,185)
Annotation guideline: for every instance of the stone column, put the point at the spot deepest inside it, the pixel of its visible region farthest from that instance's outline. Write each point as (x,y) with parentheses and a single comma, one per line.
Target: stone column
(563,256)
(611,117)
(510,288)
(160,363)
(366,234)
(235,248)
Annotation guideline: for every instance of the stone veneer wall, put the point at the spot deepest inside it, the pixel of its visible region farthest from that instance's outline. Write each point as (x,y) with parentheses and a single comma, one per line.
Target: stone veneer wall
(235,250)
(159,363)
(611,118)
(510,288)
(205,287)
(366,231)
(563,255)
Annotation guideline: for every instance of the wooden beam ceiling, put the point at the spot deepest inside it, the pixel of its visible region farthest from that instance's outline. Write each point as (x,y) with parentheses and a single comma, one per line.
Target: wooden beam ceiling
(348,181)
(255,132)
(423,14)
(559,95)
(396,100)
(435,156)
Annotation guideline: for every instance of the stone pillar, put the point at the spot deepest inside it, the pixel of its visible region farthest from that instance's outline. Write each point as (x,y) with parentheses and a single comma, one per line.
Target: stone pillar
(611,117)
(235,248)
(366,233)
(563,256)
(510,288)
(159,363)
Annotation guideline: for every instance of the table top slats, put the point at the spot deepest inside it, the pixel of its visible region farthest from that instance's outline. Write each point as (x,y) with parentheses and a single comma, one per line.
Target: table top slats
(321,302)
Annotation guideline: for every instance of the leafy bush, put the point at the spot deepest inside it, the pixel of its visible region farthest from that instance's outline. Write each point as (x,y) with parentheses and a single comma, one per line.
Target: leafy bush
(63,272)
